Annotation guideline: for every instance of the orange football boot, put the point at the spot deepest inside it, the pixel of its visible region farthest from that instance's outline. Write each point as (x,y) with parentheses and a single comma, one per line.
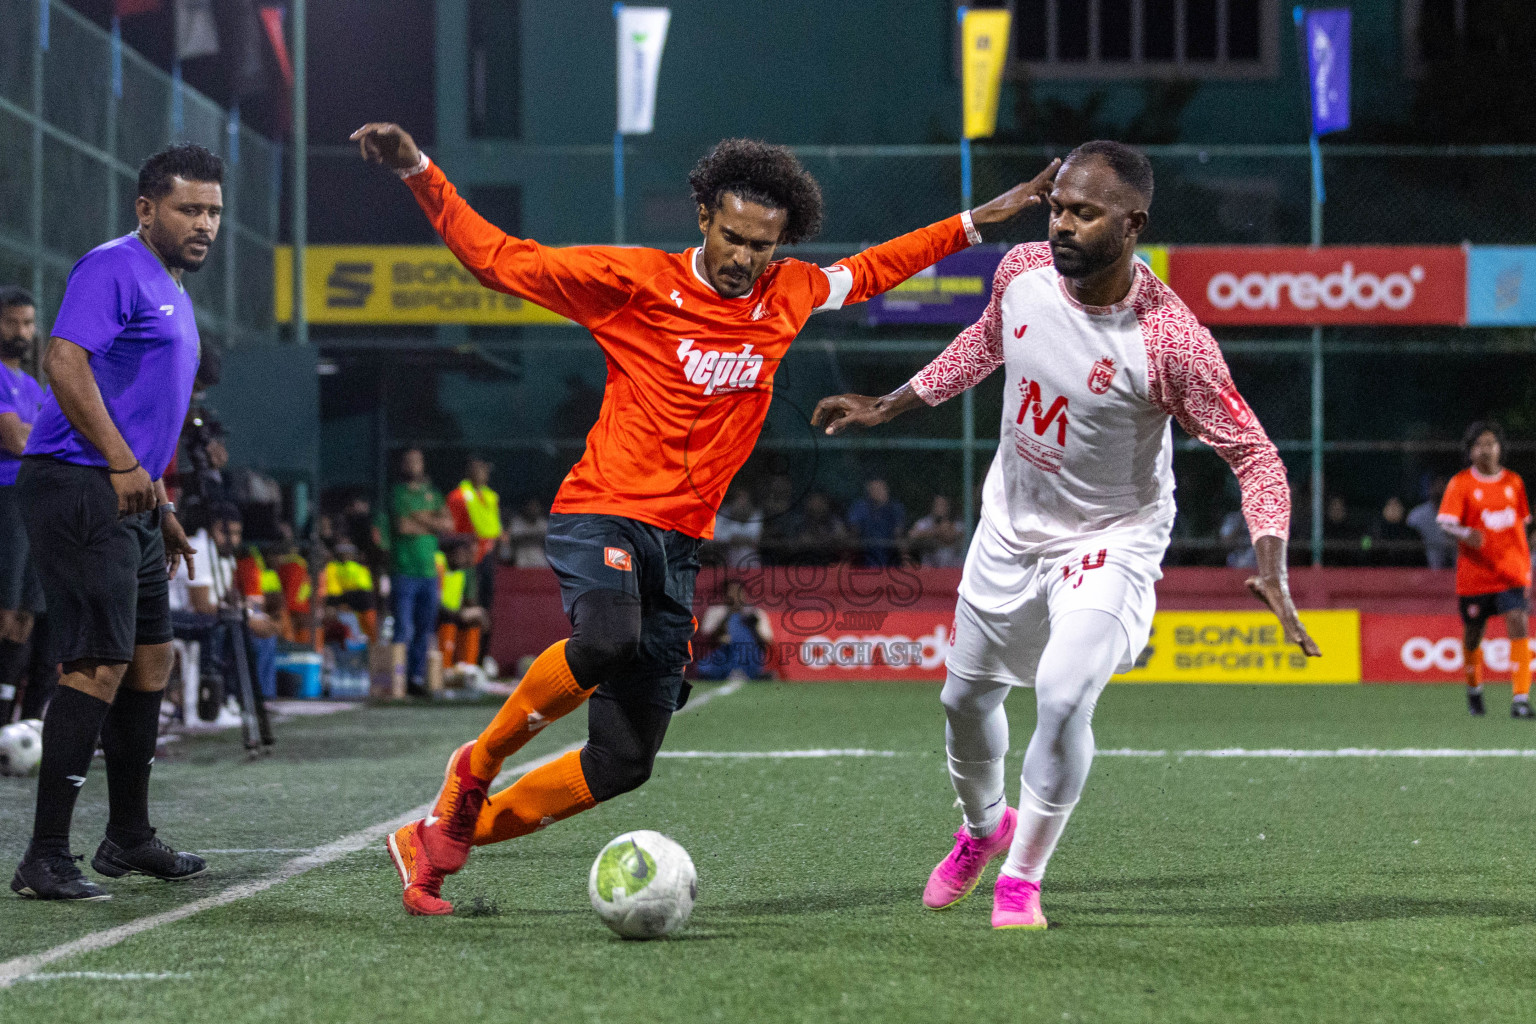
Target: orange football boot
(448,830)
(422,881)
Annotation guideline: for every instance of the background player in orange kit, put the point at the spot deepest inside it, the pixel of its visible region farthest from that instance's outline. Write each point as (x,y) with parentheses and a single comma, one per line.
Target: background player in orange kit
(693,340)
(1486,510)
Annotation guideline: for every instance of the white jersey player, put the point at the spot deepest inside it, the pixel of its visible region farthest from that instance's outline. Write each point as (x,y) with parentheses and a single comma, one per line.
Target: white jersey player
(1077,508)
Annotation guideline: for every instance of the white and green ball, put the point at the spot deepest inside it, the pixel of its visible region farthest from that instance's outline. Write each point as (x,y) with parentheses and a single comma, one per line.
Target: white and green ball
(21,747)
(643,885)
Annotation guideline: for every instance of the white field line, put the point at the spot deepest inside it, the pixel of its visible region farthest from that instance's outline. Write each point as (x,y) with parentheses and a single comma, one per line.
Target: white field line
(259,849)
(774,755)
(104,976)
(1288,752)
(20,968)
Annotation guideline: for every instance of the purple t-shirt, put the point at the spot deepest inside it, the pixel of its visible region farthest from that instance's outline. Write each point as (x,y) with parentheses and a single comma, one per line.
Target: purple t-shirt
(123,307)
(22,395)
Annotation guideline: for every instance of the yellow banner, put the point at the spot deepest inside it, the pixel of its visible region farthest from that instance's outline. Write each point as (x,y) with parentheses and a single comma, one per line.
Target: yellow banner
(1156,257)
(1247,647)
(983,54)
(394,284)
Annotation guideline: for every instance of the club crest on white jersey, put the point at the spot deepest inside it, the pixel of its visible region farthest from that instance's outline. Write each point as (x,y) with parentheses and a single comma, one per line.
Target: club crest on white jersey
(719,371)
(1101,376)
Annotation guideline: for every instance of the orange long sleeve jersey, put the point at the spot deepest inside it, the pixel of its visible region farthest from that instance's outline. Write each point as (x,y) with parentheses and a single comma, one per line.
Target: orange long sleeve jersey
(690,373)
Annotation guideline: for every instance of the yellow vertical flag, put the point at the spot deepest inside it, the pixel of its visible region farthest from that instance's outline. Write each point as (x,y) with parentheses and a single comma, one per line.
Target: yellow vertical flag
(984,53)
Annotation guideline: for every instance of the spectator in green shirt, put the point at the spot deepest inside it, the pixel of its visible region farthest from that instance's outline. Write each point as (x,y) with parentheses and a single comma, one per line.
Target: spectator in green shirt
(418,515)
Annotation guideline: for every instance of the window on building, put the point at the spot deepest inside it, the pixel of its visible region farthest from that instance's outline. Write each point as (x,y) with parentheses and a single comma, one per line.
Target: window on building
(1143,38)
(1442,30)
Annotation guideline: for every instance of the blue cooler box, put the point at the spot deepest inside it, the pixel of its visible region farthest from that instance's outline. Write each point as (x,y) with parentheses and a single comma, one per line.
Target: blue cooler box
(305,667)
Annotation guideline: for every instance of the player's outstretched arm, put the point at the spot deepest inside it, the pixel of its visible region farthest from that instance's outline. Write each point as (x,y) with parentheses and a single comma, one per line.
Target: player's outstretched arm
(882,267)
(577,283)
(1189,379)
(1271,587)
(964,363)
(839,412)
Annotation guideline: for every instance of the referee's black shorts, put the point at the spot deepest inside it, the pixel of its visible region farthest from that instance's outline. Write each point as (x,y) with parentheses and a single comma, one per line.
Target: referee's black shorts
(19,589)
(103,576)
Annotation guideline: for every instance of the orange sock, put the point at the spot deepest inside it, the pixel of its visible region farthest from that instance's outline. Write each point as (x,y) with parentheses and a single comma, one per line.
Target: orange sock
(545,795)
(1475,668)
(468,649)
(1520,658)
(447,639)
(546,693)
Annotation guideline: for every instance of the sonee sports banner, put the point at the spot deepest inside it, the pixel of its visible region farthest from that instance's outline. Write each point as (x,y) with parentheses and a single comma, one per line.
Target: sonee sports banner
(394,284)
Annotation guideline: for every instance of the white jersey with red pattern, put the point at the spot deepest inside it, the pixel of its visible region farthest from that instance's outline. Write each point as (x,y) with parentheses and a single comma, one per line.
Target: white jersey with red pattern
(1086,450)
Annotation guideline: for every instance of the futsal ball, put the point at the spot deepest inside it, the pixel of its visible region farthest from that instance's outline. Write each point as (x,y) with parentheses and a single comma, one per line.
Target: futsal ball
(21,748)
(643,885)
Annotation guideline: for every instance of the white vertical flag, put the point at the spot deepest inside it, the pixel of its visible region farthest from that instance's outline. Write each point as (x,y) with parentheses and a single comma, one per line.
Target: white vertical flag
(642,34)
(197,32)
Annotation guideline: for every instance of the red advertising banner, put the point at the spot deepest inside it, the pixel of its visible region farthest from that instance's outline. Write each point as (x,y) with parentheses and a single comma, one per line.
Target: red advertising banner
(904,644)
(1424,649)
(1298,285)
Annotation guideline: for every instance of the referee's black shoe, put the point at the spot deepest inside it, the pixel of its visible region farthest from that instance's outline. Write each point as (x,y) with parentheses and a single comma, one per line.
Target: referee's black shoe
(151,857)
(47,874)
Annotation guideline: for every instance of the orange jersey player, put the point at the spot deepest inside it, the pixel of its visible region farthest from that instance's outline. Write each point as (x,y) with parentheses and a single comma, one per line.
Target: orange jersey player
(1486,510)
(693,340)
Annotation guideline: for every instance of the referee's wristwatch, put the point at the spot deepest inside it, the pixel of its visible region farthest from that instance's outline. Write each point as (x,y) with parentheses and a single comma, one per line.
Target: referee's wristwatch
(166,506)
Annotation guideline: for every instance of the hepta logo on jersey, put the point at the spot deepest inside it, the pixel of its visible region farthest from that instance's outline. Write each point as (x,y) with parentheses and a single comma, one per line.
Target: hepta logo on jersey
(720,371)
(1502,519)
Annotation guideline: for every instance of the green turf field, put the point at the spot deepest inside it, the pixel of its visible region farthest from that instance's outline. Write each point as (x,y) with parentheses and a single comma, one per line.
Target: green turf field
(1187,888)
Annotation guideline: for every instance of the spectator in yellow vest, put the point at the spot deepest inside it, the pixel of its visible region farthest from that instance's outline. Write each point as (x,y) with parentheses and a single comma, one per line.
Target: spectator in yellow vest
(461,619)
(348,584)
(477,513)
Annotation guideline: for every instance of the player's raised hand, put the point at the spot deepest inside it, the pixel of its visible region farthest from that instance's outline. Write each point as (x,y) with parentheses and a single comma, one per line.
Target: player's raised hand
(839,412)
(1032,193)
(1270,587)
(384,143)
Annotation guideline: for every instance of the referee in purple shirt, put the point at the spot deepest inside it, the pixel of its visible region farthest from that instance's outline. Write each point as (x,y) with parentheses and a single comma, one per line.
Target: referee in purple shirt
(104,538)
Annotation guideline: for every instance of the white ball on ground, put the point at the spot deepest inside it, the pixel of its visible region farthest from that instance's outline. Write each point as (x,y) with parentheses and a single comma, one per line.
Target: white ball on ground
(643,885)
(21,748)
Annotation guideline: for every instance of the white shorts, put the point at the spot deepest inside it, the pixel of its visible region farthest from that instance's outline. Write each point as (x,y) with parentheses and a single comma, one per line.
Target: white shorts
(1001,640)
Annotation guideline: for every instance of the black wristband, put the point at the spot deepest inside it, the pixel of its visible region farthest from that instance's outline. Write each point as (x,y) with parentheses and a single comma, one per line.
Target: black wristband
(120,472)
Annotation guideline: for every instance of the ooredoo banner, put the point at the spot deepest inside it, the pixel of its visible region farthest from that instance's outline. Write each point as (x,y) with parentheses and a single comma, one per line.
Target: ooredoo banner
(1424,649)
(1286,285)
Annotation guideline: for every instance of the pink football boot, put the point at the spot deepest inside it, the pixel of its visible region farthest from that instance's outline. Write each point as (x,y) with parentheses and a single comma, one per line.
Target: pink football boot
(957,874)
(1016,904)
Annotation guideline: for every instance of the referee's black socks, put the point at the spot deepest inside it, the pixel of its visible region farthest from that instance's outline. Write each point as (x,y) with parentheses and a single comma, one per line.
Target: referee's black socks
(128,741)
(13,662)
(70,729)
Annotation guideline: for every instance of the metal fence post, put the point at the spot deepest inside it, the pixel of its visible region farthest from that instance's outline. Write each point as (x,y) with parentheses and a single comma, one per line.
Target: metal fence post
(300,170)
(229,226)
(37,152)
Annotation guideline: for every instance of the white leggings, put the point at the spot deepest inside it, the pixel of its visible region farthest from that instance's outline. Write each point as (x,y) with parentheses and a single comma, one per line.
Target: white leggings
(1084,650)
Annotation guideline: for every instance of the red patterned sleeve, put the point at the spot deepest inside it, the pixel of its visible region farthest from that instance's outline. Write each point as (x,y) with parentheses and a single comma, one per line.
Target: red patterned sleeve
(1188,379)
(978,350)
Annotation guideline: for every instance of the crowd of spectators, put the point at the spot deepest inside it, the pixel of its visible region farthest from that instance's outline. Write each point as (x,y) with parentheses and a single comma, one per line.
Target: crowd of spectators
(1393,534)
(874,530)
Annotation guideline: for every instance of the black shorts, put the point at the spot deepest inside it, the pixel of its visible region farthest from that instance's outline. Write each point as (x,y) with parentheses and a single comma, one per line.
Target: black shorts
(1477,609)
(599,552)
(103,576)
(19,589)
